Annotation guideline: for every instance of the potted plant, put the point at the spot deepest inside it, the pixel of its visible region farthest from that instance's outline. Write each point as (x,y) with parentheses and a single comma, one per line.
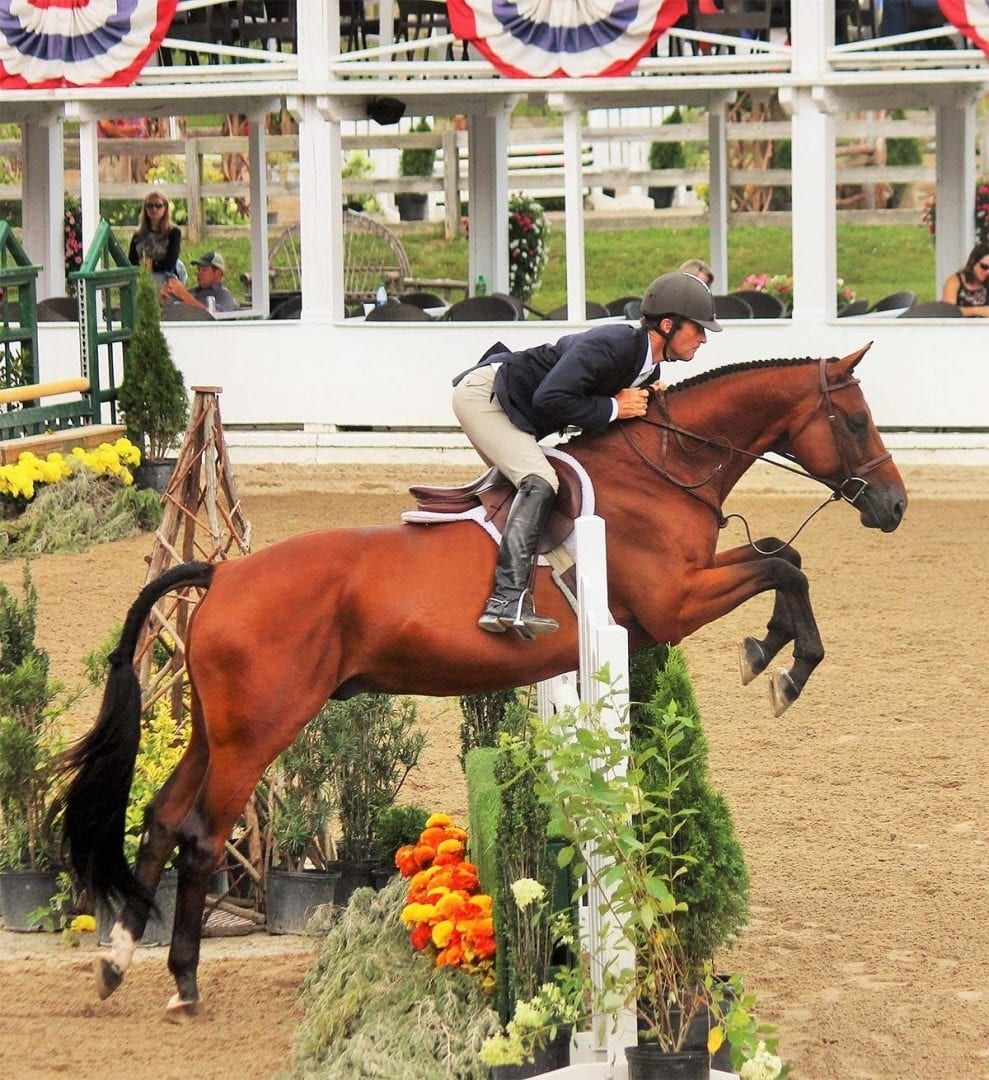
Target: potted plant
(300,875)
(152,395)
(395,827)
(666,155)
(31,705)
(371,748)
(415,161)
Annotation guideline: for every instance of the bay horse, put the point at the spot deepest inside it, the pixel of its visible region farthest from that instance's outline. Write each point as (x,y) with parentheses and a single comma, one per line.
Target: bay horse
(337,612)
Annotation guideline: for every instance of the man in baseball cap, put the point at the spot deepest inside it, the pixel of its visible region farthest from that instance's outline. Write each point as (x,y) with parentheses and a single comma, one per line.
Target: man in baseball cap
(210,268)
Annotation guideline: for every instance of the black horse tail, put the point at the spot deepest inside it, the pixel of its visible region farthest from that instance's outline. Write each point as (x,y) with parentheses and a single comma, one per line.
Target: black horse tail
(93,808)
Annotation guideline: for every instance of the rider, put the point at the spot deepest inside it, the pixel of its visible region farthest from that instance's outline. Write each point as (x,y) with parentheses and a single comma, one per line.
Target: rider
(509,400)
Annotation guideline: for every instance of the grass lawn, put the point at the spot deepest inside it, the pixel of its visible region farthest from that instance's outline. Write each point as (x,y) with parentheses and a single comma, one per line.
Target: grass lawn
(874,260)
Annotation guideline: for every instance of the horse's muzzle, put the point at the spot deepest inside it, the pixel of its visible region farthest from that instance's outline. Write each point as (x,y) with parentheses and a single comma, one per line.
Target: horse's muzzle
(882,506)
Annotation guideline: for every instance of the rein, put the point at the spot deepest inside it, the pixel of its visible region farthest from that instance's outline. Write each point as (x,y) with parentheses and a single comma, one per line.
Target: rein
(839,490)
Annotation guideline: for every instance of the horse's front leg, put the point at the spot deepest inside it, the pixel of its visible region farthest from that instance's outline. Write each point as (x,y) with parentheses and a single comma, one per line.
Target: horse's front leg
(715,591)
(754,656)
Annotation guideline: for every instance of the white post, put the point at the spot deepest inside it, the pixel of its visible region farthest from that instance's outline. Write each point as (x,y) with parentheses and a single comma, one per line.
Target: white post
(718,188)
(573,187)
(955,177)
(43,159)
(487,193)
(89,179)
(258,160)
(813,169)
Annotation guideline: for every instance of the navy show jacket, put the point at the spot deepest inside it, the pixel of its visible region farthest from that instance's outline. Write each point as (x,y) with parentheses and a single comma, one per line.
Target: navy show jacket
(569,383)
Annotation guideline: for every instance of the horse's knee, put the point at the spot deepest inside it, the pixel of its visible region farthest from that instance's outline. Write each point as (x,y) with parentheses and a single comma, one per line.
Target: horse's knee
(198,849)
(781,550)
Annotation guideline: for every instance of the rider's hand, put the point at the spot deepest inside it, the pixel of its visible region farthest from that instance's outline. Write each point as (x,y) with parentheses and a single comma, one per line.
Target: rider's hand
(659,386)
(632,402)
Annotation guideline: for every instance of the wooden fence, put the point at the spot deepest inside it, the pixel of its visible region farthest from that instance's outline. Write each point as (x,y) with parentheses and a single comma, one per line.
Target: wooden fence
(535,161)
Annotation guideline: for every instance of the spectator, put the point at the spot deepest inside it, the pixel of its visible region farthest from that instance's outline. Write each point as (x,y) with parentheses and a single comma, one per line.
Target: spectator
(157,240)
(210,269)
(923,15)
(968,287)
(700,270)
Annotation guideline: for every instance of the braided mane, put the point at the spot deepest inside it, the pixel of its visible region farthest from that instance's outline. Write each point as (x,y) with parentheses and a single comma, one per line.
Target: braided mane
(731,369)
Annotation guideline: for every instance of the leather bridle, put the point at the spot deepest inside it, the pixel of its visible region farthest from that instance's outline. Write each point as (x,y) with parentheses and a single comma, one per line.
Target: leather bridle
(854,475)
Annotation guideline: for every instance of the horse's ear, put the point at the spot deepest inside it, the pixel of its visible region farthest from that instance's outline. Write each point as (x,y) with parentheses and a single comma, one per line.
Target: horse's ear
(846,364)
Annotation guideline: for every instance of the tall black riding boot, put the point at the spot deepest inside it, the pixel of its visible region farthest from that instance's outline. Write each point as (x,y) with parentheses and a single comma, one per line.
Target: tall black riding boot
(511,604)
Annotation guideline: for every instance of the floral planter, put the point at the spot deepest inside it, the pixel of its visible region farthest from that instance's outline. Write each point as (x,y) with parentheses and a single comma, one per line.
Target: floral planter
(554,1055)
(154,474)
(158,930)
(24,891)
(353,874)
(411,205)
(648,1062)
(292,897)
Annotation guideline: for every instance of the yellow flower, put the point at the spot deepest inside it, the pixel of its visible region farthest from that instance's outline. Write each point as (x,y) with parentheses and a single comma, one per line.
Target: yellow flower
(715,1037)
(441,933)
(83,924)
(438,821)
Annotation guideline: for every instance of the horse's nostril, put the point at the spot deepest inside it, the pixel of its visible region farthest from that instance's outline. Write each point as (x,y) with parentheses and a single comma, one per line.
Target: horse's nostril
(899,509)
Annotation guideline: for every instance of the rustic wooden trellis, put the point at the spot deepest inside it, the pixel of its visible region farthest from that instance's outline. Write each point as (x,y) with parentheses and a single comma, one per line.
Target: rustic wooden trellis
(202,520)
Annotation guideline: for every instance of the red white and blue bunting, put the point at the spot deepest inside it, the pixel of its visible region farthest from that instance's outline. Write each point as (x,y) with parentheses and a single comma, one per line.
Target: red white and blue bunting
(65,43)
(563,38)
(971,17)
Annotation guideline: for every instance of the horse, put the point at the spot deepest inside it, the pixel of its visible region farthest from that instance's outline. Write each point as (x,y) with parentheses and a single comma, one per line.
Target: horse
(336,612)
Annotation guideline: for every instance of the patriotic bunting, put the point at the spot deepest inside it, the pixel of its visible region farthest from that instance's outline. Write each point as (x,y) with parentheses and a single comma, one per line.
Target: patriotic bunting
(971,17)
(563,38)
(65,43)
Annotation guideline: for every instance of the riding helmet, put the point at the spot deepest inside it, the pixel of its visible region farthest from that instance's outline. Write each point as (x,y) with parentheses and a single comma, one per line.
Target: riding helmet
(680,294)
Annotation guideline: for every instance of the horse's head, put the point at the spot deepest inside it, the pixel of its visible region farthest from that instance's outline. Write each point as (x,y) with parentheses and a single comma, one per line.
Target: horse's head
(834,438)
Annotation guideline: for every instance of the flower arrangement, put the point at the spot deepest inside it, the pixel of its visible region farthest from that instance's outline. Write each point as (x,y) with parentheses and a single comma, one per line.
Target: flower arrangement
(929,213)
(72,233)
(781,286)
(535,1020)
(528,250)
(21,479)
(445,910)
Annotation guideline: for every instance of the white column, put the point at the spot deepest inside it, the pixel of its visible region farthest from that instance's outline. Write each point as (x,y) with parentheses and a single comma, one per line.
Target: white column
(320,208)
(487,192)
(43,181)
(258,163)
(955,173)
(89,180)
(813,169)
(718,188)
(319,37)
(573,190)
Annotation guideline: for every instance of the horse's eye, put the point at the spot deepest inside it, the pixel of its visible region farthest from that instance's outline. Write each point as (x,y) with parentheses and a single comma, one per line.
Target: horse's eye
(856,423)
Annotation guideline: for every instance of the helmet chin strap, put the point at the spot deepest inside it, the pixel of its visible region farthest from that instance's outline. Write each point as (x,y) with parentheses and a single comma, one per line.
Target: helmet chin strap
(677,322)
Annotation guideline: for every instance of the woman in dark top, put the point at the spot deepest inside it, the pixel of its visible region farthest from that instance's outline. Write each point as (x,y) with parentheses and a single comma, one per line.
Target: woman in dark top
(969,287)
(157,240)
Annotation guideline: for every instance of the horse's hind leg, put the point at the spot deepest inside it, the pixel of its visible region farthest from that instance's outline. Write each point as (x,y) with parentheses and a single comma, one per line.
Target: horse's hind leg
(233,771)
(755,655)
(161,822)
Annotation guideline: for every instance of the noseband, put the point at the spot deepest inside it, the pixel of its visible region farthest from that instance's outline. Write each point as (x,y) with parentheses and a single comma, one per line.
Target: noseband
(854,474)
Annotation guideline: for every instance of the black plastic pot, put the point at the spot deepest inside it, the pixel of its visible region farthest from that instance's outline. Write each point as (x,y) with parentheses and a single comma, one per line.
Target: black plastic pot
(662,197)
(158,930)
(554,1055)
(648,1062)
(382,873)
(292,897)
(353,874)
(154,474)
(24,891)
(411,205)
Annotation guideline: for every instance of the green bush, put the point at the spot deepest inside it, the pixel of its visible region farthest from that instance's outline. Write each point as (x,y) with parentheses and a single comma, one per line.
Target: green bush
(908,151)
(418,162)
(484,719)
(668,155)
(396,826)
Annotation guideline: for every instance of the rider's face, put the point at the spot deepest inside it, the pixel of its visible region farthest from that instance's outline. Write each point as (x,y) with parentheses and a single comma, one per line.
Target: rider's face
(686,341)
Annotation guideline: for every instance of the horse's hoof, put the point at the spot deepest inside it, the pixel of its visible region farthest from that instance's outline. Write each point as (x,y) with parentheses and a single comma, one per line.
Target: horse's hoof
(178,1010)
(751,660)
(108,977)
(783,691)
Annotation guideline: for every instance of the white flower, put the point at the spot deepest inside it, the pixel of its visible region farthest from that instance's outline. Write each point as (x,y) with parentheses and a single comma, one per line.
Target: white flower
(527,891)
(761,1066)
